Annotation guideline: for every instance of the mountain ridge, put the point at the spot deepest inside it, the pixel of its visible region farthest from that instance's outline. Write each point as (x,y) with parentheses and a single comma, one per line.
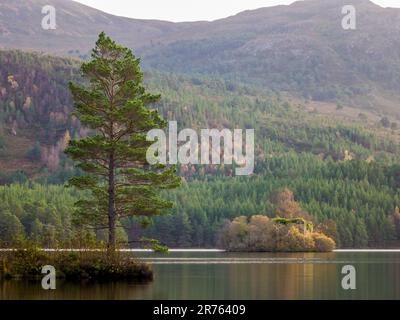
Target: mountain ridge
(300,49)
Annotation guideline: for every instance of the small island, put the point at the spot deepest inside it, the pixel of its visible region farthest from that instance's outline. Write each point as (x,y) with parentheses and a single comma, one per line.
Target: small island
(292,230)
(73,265)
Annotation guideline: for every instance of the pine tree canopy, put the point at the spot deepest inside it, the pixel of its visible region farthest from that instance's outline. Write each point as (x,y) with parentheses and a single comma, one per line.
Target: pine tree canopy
(114,105)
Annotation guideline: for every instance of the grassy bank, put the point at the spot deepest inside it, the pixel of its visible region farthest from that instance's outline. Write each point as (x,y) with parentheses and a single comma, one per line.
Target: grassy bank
(74,266)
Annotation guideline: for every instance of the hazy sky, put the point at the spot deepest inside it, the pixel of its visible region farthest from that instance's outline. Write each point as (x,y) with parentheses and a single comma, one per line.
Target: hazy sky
(190,10)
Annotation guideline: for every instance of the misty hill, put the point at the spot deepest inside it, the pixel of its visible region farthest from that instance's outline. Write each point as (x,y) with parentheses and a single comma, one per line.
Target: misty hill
(300,49)
(77,27)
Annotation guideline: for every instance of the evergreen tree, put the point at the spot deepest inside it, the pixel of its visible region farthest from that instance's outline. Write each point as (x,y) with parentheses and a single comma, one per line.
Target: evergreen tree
(10,227)
(114,106)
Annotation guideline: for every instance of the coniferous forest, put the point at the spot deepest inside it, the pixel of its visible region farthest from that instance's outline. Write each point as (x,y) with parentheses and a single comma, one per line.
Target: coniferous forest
(344,172)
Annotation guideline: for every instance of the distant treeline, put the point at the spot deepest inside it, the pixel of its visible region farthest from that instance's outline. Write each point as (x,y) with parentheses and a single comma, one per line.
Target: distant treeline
(360,198)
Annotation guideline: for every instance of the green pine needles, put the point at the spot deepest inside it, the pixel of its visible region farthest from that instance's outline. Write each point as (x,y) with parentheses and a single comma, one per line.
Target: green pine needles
(115,106)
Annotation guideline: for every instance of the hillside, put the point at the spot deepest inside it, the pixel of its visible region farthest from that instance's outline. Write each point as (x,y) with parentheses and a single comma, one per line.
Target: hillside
(323,103)
(36,124)
(35,111)
(342,166)
(300,49)
(77,27)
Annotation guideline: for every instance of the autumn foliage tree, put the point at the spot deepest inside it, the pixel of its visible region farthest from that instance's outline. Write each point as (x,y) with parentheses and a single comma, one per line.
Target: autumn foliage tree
(395,219)
(115,106)
(286,206)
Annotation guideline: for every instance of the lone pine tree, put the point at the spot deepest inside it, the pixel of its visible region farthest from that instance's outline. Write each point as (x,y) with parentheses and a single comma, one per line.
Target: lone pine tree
(114,105)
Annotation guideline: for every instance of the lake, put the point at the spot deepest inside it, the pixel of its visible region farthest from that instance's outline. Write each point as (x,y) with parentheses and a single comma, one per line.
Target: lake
(222,275)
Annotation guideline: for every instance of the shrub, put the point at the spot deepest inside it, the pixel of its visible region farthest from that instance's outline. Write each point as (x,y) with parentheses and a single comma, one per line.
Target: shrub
(294,240)
(323,243)
(261,233)
(236,234)
(86,265)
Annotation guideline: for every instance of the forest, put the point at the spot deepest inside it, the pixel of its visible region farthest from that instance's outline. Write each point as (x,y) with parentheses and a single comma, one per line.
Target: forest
(343,172)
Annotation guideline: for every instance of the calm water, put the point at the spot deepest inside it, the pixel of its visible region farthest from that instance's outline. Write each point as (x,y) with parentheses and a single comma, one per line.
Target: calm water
(219,275)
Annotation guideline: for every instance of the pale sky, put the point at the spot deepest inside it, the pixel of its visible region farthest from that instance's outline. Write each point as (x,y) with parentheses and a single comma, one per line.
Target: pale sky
(190,10)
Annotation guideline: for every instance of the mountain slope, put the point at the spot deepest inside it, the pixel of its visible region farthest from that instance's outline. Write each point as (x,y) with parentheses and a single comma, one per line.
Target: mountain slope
(77,27)
(36,122)
(301,49)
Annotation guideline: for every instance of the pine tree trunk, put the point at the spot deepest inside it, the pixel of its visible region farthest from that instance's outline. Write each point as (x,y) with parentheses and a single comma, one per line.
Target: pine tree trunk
(111,206)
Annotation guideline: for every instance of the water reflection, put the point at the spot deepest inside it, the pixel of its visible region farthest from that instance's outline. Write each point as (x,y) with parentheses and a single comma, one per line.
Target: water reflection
(218,275)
